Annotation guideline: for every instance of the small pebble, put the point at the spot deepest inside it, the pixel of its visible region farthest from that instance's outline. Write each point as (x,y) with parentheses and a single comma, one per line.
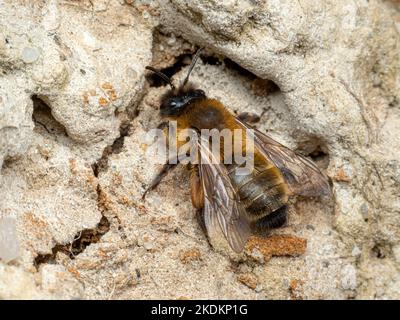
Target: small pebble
(9,246)
(171,41)
(356,251)
(148,245)
(146,15)
(259,288)
(349,277)
(364,210)
(30,55)
(396,253)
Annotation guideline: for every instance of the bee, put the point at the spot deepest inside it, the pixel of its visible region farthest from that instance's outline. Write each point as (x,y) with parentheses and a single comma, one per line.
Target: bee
(237,204)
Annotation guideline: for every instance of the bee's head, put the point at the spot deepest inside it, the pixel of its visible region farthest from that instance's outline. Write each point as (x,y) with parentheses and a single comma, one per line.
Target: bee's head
(174,103)
(176,100)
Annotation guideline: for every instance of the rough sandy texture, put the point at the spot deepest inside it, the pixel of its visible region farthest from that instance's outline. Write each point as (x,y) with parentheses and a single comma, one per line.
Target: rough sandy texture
(323,77)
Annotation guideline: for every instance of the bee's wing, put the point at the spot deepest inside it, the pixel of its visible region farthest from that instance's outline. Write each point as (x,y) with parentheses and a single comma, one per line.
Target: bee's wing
(301,174)
(222,207)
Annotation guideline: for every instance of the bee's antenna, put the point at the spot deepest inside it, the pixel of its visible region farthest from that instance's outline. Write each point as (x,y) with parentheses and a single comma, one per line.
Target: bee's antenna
(162,76)
(196,56)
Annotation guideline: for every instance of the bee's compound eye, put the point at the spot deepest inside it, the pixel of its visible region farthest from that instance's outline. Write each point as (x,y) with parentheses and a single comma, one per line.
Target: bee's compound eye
(200,93)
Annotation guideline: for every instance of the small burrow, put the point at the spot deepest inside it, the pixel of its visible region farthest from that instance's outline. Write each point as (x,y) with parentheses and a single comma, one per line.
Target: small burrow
(316,150)
(181,61)
(380,251)
(44,120)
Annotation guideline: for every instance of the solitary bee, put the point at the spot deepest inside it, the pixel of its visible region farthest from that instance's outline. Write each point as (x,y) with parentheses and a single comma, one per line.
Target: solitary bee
(237,204)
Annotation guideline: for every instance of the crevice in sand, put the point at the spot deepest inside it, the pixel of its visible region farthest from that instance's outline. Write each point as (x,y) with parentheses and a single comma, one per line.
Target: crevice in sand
(116,147)
(81,241)
(86,237)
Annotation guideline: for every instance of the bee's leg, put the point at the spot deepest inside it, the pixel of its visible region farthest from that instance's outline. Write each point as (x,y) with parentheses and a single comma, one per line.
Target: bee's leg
(274,220)
(200,220)
(196,189)
(166,168)
(157,179)
(197,195)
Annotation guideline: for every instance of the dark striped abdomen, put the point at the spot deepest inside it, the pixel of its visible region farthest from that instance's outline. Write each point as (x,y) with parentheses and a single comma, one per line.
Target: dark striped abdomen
(261,192)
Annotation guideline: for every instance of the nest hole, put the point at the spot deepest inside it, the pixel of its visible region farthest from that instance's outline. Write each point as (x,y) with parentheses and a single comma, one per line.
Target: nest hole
(43,118)
(380,251)
(181,61)
(317,150)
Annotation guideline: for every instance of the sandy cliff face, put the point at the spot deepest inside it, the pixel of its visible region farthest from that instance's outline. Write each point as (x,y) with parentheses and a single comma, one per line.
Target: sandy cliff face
(74,108)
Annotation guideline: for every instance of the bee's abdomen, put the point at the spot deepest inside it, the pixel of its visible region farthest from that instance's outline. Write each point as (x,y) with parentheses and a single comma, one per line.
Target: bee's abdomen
(261,192)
